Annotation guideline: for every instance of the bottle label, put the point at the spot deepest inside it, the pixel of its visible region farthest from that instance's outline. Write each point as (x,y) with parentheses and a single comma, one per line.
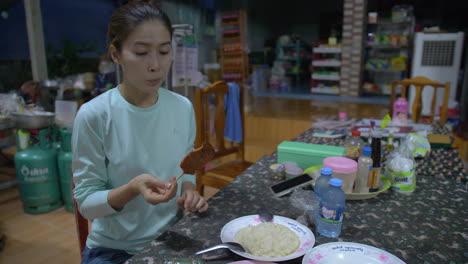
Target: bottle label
(330,215)
(403,181)
(353,152)
(373,180)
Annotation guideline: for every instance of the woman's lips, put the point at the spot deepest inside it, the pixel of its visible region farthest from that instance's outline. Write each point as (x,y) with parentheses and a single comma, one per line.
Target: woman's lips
(153,82)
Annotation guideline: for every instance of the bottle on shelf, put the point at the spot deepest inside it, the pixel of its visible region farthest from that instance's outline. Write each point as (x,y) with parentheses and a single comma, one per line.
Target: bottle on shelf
(364,170)
(353,145)
(332,40)
(331,210)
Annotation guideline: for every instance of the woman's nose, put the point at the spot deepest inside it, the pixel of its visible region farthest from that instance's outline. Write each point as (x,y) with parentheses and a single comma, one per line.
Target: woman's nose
(154,64)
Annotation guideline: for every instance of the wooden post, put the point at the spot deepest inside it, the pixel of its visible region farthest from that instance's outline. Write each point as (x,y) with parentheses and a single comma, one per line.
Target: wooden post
(37,54)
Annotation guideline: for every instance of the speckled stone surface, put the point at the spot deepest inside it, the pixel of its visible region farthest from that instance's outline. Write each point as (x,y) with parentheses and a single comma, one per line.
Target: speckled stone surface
(427,226)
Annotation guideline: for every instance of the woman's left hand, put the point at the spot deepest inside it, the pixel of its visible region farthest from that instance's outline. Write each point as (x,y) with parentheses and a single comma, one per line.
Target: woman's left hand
(192,201)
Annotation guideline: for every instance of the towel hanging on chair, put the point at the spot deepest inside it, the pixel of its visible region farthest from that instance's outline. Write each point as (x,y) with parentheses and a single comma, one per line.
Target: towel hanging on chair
(233,126)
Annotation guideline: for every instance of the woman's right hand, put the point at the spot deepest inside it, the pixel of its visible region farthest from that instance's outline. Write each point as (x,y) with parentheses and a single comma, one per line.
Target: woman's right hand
(153,190)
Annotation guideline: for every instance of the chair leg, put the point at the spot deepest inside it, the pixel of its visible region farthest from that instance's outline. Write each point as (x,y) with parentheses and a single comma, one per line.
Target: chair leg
(443,113)
(417,104)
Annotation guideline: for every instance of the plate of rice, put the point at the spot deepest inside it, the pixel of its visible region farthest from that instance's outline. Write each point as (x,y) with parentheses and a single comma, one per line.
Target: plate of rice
(279,240)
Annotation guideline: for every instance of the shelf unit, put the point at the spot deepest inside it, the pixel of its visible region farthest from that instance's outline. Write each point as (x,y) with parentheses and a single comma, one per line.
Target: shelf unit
(325,68)
(234,55)
(297,54)
(386,42)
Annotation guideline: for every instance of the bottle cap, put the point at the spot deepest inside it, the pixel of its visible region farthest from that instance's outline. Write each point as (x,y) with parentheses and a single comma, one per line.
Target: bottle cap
(366,151)
(326,171)
(356,133)
(336,182)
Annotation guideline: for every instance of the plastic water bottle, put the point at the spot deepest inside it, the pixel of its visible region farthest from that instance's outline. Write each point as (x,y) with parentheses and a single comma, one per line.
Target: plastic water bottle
(322,182)
(400,111)
(353,145)
(331,210)
(364,169)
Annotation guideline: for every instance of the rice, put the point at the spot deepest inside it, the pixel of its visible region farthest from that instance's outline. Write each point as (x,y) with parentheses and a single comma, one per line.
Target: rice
(268,240)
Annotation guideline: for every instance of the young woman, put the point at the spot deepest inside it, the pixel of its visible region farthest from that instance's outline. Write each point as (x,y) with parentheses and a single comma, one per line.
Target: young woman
(129,141)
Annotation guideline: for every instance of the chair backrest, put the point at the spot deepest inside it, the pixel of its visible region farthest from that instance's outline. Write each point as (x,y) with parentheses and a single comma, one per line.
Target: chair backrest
(419,83)
(82,227)
(215,93)
(202,111)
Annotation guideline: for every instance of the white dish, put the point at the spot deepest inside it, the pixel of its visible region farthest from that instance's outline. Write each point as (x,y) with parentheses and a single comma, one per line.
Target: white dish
(350,253)
(306,237)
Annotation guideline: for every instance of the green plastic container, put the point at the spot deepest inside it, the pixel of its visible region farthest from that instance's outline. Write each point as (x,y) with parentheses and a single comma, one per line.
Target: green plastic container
(305,154)
(64,161)
(36,171)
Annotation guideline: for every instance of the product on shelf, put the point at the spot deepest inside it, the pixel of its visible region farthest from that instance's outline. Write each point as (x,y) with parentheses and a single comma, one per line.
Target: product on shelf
(234,60)
(325,69)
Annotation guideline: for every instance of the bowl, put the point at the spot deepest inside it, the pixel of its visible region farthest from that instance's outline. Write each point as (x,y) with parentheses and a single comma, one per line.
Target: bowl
(33,121)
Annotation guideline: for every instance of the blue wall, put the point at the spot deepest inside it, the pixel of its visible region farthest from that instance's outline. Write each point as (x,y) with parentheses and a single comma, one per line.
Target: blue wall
(77,21)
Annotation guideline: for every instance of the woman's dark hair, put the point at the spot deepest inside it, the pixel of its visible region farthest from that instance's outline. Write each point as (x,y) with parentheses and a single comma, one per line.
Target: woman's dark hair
(127,17)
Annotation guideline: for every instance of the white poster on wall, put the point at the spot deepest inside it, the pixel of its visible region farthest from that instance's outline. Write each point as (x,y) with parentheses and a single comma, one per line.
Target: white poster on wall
(185,66)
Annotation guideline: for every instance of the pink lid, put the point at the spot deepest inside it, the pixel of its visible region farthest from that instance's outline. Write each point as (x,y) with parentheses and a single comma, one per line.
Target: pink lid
(340,164)
(342,115)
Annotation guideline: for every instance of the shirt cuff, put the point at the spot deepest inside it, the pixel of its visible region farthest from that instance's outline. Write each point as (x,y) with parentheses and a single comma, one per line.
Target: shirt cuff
(96,205)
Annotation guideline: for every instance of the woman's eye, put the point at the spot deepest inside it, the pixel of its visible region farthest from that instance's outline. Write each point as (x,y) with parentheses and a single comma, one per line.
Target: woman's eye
(164,52)
(140,53)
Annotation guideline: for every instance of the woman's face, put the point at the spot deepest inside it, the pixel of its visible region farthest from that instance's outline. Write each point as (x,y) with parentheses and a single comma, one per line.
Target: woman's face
(145,57)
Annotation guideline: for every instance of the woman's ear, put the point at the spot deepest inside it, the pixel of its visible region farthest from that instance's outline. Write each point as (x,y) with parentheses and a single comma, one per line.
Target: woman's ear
(114,54)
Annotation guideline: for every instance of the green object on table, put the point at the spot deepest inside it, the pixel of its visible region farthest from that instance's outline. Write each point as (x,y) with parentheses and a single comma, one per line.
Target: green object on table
(384,185)
(306,154)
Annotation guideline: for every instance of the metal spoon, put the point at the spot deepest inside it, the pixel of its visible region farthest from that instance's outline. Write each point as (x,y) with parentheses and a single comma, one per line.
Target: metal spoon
(229,245)
(265,216)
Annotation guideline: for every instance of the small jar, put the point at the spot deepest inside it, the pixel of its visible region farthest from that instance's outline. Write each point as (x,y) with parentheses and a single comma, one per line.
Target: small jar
(344,169)
(292,169)
(277,172)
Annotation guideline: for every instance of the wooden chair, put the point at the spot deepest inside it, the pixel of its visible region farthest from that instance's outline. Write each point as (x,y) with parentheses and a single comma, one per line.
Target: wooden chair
(221,175)
(82,228)
(419,83)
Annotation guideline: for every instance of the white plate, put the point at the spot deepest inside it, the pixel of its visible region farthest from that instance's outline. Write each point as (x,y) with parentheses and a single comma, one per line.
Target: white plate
(306,237)
(350,253)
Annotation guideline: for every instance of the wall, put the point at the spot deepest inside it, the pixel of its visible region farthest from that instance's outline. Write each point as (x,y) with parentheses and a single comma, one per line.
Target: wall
(267,20)
(197,13)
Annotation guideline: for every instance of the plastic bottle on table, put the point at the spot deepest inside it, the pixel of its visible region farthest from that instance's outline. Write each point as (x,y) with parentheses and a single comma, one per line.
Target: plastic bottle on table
(400,111)
(364,169)
(376,145)
(353,145)
(342,116)
(321,184)
(331,210)
(390,142)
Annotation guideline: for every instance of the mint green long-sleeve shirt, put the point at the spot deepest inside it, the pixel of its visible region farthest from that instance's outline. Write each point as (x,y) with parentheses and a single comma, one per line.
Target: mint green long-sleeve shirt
(114,141)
